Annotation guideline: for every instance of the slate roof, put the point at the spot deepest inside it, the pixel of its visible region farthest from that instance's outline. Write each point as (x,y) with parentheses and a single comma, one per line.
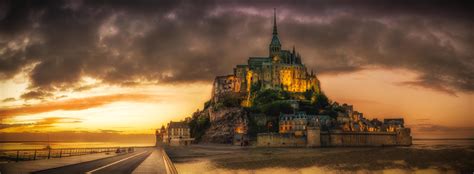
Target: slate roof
(181,124)
(275,41)
(258,61)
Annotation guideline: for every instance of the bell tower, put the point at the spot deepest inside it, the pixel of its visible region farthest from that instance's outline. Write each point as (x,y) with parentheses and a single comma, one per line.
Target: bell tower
(275,45)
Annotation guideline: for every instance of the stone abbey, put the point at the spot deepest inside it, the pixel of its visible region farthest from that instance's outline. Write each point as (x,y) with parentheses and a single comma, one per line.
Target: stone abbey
(273,101)
(281,70)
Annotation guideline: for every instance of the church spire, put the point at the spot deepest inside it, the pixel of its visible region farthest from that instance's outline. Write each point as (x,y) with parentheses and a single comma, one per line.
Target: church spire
(274,22)
(275,45)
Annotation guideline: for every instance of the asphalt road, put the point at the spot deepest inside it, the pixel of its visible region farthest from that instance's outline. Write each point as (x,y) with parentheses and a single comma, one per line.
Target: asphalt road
(124,163)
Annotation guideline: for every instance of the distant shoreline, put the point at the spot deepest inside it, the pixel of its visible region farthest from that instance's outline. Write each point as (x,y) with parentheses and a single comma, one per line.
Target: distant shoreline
(37,141)
(443,138)
(73,141)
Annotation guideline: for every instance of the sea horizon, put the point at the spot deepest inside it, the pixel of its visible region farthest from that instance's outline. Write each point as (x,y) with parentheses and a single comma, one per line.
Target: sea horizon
(29,145)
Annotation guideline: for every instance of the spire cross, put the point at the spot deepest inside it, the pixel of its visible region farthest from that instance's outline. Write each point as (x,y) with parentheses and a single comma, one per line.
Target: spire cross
(274,22)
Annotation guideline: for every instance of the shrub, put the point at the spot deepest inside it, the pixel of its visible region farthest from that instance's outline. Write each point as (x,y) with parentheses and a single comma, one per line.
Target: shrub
(198,125)
(207,104)
(253,109)
(256,87)
(267,96)
(308,94)
(275,108)
(254,128)
(231,100)
(322,101)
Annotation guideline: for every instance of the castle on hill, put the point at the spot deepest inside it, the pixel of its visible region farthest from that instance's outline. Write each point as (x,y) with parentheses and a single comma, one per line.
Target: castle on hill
(280,70)
(273,101)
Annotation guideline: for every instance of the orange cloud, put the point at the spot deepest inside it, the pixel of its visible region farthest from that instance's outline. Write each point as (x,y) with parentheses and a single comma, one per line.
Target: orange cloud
(85,136)
(48,122)
(74,104)
(41,123)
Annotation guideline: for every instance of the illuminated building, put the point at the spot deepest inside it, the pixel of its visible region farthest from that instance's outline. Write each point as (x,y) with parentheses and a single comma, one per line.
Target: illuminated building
(175,133)
(280,70)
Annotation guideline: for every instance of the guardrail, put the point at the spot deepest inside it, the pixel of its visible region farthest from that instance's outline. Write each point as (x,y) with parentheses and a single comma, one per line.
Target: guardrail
(170,168)
(36,154)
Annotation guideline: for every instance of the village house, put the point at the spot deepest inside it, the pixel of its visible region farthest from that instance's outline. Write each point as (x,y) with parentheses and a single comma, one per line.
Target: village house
(175,134)
(297,123)
(393,123)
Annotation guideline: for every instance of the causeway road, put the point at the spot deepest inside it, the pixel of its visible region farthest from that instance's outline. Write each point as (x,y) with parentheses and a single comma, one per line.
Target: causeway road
(124,163)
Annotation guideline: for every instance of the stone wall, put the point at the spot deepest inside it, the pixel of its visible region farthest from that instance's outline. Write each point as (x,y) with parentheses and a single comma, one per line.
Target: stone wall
(403,136)
(180,142)
(313,137)
(358,138)
(316,138)
(280,140)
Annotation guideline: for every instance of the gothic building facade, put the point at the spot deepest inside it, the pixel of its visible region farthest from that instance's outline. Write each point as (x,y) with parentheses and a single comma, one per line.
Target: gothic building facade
(280,70)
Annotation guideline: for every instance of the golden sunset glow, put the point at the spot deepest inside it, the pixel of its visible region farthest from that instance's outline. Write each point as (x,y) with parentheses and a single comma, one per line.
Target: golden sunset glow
(134,110)
(367,86)
(142,109)
(128,70)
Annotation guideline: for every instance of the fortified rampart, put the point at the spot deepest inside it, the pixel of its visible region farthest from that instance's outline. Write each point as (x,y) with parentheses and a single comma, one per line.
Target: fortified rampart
(280,140)
(317,138)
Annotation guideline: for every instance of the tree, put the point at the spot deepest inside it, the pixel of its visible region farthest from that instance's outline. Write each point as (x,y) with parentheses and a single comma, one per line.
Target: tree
(275,108)
(322,101)
(198,125)
(255,87)
(231,100)
(207,104)
(285,95)
(308,94)
(253,128)
(266,96)
(308,107)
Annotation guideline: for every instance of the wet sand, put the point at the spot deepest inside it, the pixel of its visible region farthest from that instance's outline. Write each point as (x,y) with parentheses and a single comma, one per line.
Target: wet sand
(413,158)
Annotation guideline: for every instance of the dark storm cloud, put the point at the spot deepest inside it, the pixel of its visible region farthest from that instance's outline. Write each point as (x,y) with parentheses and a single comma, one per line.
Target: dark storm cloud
(35,95)
(129,43)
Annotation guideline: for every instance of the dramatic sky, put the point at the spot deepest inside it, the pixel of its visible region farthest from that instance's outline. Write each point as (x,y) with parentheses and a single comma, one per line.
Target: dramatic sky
(126,67)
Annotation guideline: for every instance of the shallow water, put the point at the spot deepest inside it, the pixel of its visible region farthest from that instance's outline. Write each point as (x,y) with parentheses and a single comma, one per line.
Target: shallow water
(56,145)
(209,165)
(449,143)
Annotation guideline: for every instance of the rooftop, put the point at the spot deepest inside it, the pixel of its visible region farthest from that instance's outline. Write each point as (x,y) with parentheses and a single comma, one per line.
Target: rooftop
(181,124)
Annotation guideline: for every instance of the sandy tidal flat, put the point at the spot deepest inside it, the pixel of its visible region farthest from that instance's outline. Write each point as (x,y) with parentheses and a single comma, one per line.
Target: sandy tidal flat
(233,159)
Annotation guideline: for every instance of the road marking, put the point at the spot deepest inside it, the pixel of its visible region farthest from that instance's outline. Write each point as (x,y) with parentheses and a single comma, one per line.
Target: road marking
(100,168)
(168,168)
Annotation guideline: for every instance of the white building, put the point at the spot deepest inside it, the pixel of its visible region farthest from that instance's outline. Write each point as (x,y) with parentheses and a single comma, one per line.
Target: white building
(175,133)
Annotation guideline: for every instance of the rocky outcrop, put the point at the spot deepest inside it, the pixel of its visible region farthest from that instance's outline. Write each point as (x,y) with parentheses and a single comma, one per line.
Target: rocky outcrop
(224,122)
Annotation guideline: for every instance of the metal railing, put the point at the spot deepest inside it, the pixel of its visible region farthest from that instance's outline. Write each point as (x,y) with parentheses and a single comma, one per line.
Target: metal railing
(170,168)
(36,154)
